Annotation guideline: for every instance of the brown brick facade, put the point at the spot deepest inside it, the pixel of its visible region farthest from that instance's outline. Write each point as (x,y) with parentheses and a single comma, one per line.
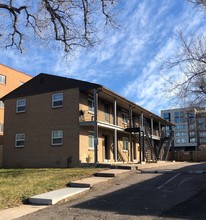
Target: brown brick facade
(37,123)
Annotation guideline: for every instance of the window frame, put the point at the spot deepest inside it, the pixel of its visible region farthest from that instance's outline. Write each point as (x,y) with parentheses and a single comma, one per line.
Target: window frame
(4,79)
(57,100)
(125,143)
(18,106)
(91,107)
(1,128)
(58,137)
(19,140)
(1,105)
(125,119)
(91,140)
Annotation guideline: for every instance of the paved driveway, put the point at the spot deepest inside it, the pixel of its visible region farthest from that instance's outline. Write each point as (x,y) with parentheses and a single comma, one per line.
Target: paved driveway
(167,192)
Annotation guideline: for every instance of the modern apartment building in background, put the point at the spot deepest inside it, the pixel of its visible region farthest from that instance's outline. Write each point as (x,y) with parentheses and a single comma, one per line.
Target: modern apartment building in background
(53,121)
(10,79)
(189,129)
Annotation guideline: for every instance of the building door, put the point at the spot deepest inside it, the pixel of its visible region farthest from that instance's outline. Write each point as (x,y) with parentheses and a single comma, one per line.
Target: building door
(105,145)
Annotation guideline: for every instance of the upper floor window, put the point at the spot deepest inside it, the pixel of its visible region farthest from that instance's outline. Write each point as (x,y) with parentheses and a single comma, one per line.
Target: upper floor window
(20,140)
(166,116)
(91,104)
(91,140)
(57,100)
(1,104)
(106,112)
(179,117)
(2,79)
(125,143)
(57,137)
(21,105)
(124,117)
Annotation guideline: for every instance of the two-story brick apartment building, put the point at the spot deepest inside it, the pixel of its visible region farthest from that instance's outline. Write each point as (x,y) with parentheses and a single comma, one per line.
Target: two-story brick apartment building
(53,121)
(10,79)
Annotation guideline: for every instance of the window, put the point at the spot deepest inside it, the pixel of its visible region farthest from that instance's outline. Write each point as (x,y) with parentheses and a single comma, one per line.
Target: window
(2,79)
(202,140)
(166,116)
(180,140)
(91,104)
(57,137)
(1,104)
(1,128)
(192,126)
(91,140)
(57,100)
(124,117)
(192,134)
(193,140)
(20,140)
(179,117)
(21,105)
(180,127)
(125,143)
(202,133)
(106,112)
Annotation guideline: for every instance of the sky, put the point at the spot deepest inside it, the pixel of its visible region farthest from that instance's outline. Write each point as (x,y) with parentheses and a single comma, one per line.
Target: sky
(127,60)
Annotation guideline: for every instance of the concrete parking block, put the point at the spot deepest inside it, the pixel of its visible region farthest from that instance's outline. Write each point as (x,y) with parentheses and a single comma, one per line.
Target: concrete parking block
(51,198)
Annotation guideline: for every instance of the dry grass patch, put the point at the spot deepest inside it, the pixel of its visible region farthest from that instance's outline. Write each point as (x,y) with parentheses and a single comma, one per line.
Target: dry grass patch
(17,185)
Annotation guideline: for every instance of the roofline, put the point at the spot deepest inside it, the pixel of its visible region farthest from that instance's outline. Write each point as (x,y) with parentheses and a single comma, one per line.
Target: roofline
(16,70)
(137,106)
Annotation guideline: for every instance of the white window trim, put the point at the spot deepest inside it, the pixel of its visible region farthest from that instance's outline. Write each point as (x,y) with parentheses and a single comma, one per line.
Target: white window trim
(17,106)
(123,118)
(125,139)
(4,82)
(57,106)
(91,110)
(91,134)
(52,138)
(1,128)
(19,146)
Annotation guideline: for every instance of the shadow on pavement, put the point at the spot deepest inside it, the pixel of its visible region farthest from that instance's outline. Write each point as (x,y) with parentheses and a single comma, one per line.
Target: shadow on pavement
(184,197)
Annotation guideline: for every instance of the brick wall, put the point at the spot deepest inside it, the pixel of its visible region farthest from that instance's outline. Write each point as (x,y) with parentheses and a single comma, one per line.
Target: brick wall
(39,120)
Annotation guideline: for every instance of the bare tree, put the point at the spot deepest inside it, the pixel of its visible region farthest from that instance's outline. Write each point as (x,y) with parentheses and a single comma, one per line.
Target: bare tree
(71,22)
(201,3)
(190,87)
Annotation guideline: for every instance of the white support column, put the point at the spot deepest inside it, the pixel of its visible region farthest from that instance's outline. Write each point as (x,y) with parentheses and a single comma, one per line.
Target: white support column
(142,120)
(95,127)
(130,135)
(152,126)
(115,131)
(160,130)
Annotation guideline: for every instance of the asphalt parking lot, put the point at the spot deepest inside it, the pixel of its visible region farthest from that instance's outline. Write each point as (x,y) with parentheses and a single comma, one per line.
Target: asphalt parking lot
(177,191)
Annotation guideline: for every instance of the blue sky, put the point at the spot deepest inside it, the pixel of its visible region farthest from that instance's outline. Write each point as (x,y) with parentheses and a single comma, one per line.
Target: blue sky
(127,60)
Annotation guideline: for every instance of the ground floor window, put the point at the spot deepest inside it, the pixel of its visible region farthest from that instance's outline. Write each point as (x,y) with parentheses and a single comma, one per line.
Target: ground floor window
(125,143)
(91,140)
(57,137)
(20,140)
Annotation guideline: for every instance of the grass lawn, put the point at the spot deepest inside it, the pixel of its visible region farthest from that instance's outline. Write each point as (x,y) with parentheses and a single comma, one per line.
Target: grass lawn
(17,185)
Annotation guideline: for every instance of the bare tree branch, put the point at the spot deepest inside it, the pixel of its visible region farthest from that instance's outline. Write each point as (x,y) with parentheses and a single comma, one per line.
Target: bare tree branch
(70,22)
